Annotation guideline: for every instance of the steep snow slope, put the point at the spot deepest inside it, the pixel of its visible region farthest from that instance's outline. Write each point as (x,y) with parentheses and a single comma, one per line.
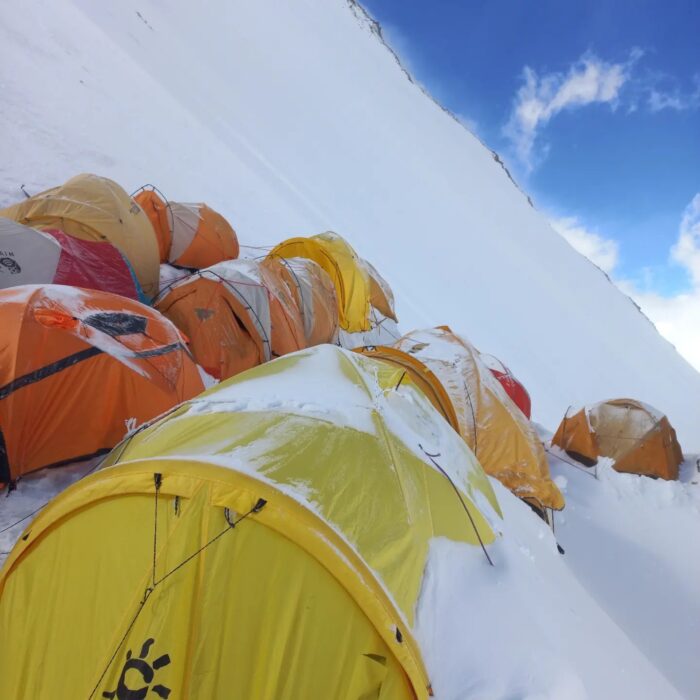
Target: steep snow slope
(293,118)
(634,544)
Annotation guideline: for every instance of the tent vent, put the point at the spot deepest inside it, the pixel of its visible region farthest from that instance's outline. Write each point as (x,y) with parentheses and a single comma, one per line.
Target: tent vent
(117,323)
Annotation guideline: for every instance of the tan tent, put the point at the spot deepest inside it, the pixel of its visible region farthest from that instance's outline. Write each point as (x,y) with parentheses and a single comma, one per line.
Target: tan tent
(237,314)
(638,437)
(503,440)
(314,295)
(97,209)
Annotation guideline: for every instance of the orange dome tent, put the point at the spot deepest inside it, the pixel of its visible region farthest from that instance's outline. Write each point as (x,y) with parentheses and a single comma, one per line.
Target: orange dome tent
(314,295)
(237,314)
(189,235)
(160,216)
(78,365)
(96,209)
(636,436)
(498,433)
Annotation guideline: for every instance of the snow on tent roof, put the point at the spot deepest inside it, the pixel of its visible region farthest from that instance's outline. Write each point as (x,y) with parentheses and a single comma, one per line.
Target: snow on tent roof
(356,504)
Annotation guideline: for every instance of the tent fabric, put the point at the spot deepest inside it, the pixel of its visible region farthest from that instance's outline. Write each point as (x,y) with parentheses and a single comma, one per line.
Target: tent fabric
(77,365)
(420,375)
(347,271)
(314,294)
(201,236)
(95,208)
(381,295)
(502,439)
(320,582)
(636,436)
(514,388)
(237,314)
(29,256)
(157,210)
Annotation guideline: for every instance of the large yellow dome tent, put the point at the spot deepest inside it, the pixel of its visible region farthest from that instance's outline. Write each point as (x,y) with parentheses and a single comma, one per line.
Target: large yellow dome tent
(266,540)
(502,439)
(97,209)
(636,436)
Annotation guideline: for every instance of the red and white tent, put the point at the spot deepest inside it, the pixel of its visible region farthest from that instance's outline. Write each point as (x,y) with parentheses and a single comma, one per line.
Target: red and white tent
(30,256)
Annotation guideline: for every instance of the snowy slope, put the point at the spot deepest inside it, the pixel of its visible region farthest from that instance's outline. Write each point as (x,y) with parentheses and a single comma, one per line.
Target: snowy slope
(292,118)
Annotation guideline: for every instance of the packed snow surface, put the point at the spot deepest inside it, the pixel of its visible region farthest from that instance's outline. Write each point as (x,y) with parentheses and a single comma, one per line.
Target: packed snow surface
(292,118)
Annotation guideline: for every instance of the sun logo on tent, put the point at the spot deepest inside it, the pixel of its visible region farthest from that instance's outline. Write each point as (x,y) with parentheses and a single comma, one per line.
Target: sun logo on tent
(143,668)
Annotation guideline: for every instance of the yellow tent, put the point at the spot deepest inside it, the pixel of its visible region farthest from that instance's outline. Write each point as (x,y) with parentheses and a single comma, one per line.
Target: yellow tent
(350,277)
(501,437)
(265,540)
(97,209)
(420,375)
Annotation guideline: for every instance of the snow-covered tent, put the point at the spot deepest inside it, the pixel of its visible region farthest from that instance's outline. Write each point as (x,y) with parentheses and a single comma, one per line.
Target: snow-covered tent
(636,436)
(30,256)
(96,209)
(346,270)
(77,368)
(236,314)
(190,235)
(496,430)
(519,395)
(268,539)
(314,295)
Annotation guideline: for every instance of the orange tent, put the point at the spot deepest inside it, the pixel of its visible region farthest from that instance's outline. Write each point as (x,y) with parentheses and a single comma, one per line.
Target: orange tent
(237,314)
(636,436)
(158,212)
(495,429)
(189,235)
(77,366)
(314,294)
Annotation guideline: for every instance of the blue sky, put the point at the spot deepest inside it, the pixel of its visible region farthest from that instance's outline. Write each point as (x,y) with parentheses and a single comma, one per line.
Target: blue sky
(595,106)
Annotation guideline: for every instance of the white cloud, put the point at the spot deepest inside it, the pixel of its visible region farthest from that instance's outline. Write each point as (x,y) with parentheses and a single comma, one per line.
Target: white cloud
(675,98)
(590,80)
(598,249)
(678,318)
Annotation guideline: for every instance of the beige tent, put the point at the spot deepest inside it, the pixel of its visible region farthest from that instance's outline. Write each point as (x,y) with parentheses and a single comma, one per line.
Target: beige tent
(638,437)
(503,440)
(97,209)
